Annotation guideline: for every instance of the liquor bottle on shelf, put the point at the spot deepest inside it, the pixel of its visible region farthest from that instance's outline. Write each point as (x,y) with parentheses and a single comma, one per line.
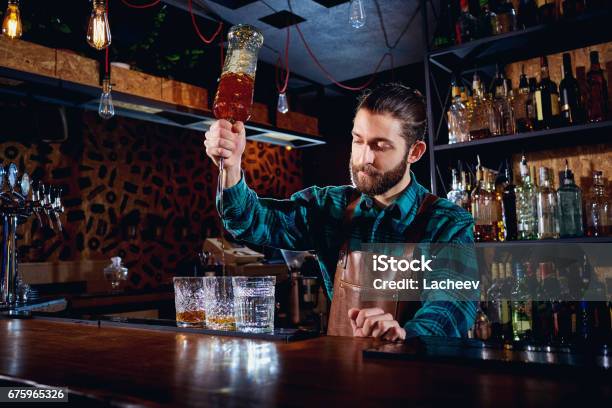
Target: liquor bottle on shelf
(597,312)
(444,35)
(598,209)
(548,297)
(479,116)
(482,207)
(522,316)
(505,20)
(532,111)
(526,204)
(569,95)
(506,289)
(548,208)
(496,192)
(498,307)
(458,120)
(509,207)
(520,105)
(527,14)
(597,94)
(465,28)
(457,195)
(466,185)
(569,197)
(565,316)
(486,20)
(547,11)
(546,99)
(502,118)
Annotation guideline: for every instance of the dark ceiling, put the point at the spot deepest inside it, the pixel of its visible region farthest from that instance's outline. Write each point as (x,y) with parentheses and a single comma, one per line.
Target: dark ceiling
(345,52)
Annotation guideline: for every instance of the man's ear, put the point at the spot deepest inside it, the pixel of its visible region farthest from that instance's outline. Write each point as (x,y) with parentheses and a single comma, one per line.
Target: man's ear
(417,150)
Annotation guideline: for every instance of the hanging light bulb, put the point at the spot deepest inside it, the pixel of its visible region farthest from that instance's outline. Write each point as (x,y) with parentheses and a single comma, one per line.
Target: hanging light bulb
(283,105)
(11,26)
(106,110)
(357,16)
(98,30)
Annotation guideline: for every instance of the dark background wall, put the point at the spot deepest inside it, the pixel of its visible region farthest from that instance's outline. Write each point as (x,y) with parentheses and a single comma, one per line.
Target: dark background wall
(138,190)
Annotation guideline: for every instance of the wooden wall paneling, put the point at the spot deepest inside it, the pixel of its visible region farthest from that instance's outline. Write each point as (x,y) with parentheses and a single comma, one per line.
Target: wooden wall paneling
(27,56)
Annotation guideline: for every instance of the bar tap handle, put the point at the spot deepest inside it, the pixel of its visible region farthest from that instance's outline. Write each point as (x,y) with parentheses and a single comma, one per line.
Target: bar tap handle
(56,206)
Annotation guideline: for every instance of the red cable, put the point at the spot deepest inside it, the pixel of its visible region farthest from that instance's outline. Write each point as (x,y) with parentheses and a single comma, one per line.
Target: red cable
(142,6)
(330,77)
(283,89)
(106,57)
(195,25)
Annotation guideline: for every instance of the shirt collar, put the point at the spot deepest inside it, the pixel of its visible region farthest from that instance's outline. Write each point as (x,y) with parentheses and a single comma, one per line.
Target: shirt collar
(405,205)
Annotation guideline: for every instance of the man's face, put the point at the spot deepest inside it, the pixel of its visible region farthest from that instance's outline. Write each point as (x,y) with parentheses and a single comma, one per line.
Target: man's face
(378,154)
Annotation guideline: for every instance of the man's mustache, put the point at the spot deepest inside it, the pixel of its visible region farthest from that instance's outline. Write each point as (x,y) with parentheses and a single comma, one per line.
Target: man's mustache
(368,169)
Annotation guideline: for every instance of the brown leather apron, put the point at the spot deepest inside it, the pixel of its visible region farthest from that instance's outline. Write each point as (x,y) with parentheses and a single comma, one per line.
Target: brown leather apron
(348,288)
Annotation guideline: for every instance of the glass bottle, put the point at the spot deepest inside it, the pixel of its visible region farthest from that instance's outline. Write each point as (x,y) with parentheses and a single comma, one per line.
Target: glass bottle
(597,91)
(507,287)
(496,211)
(481,209)
(458,122)
(509,207)
(569,94)
(546,99)
(549,293)
(598,209)
(526,204)
(444,35)
(505,20)
(455,195)
(465,28)
(466,185)
(532,113)
(502,119)
(479,118)
(522,316)
(486,20)
(494,306)
(548,210)
(569,197)
(520,105)
(527,14)
(234,97)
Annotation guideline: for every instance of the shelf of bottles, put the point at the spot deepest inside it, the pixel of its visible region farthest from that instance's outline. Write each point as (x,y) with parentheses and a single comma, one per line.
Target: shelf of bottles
(533,209)
(479,121)
(536,306)
(494,120)
(485,32)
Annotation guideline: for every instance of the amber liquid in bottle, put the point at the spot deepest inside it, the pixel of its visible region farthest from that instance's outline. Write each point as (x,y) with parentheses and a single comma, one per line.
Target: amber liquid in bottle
(234,97)
(233,102)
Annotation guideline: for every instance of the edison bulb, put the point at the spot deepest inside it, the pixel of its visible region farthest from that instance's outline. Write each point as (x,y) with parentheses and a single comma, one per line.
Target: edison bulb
(106,110)
(283,105)
(98,30)
(11,26)
(357,16)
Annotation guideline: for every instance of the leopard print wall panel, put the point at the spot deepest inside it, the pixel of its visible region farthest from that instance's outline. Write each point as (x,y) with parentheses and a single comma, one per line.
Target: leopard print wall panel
(138,190)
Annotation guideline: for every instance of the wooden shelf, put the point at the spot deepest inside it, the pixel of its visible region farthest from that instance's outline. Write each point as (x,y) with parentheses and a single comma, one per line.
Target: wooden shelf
(582,31)
(64,78)
(563,136)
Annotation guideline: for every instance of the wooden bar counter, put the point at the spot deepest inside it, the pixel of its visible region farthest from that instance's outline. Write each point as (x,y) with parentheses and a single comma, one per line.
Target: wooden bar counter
(158,368)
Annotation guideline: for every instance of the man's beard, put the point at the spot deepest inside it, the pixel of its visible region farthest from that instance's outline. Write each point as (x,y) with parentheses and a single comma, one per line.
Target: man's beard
(377,182)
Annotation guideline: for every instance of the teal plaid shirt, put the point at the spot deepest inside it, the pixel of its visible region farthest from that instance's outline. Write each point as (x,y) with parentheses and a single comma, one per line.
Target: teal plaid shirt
(312,220)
